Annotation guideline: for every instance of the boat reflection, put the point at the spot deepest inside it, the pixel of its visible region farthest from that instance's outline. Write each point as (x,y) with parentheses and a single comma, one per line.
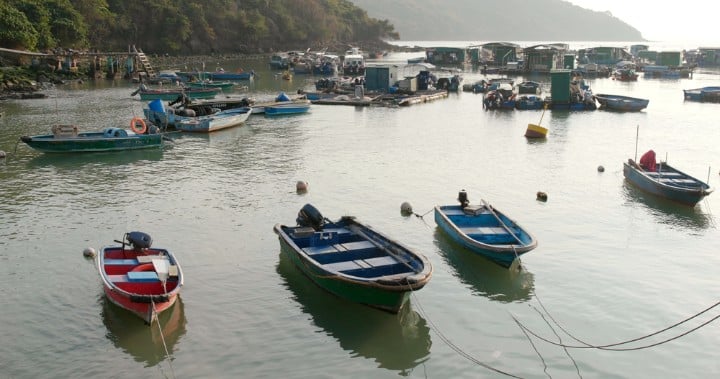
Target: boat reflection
(144,342)
(395,341)
(668,212)
(484,277)
(72,161)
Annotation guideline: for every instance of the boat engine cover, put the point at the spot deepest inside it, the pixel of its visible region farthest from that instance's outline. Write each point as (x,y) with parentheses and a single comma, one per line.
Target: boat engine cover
(139,240)
(310,216)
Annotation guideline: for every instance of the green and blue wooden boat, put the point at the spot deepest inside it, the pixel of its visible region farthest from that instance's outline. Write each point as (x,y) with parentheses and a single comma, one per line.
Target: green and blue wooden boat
(354,261)
(66,139)
(211,84)
(170,94)
(667,182)
(484,230)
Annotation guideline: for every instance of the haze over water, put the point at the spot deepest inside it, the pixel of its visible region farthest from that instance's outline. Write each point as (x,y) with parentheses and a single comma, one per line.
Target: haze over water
(613,264)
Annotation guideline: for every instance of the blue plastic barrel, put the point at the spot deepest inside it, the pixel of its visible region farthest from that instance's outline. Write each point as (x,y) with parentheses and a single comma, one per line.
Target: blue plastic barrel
(157,106)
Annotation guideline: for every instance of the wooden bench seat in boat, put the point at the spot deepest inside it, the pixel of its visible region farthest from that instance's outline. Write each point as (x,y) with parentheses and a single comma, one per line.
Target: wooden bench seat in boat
(140,276)
(474,230)
(661,173)
(679,181)
(121,262)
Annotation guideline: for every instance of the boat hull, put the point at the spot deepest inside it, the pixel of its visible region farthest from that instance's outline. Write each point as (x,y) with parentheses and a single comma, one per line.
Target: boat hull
(92,142)
(667,182)
(483,234)
(384,281)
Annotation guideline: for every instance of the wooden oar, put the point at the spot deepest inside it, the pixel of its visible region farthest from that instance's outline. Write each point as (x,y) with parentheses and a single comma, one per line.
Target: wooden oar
(489,208)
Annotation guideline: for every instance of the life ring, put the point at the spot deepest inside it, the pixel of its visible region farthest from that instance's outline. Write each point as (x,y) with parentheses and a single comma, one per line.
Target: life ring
(143,267)
(134,125)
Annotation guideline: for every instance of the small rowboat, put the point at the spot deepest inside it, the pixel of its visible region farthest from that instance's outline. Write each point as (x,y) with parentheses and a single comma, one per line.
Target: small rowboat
(484,230)
(144,280)
(621,103)
(354,261)
(67,139)
(667,182)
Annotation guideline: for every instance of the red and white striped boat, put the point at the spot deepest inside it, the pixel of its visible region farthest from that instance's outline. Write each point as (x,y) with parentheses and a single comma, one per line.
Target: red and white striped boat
(144,280)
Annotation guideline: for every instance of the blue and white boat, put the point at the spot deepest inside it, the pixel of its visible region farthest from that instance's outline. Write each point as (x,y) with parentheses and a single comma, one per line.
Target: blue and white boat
(298,106)
(221,120)
(704,94)
(484,230)
(621,103)
(667,182)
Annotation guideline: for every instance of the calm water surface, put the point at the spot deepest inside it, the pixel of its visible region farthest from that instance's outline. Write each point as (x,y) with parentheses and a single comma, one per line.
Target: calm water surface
(612,264)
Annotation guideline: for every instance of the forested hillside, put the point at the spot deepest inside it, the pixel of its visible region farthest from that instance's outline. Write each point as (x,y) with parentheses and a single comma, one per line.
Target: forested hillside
(492,20)
(185,26)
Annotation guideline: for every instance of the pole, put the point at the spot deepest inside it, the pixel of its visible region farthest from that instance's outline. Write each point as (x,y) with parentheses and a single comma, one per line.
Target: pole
(637,135)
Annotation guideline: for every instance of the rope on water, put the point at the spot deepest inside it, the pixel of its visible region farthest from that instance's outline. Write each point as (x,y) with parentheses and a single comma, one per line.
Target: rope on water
(162,337)
(611,347)
(454,347)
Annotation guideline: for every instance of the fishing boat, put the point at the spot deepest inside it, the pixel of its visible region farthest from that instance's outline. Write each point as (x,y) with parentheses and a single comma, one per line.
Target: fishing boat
(667,182)
(169,94)
(297,106)
(218,121)
(219,74)
(704,94)
(67,139)
(137,277)
(211,84)
(484,230)
(354,261)
(621,103)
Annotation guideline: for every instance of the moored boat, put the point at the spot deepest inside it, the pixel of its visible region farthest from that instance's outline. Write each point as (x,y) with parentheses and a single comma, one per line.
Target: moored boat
(67,139)
(144,280)
(667,182)
(218,121)
(705,94)
(621,103)
(224,85)
(169,94)
(484,230)
(288,107)
(354,261)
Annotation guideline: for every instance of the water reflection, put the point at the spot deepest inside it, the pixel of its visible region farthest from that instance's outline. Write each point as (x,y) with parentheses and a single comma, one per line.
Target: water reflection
(668,212)
(144,342)
(118,158)
(483,276)
(395,341)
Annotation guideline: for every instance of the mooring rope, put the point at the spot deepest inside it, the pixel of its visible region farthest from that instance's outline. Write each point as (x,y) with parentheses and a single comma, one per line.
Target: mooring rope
(162,338)
(452,345)
(610,347)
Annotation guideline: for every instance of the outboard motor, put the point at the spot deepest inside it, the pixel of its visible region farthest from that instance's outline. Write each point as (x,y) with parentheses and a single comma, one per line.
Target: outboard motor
(310,216)
(139,240)
(463,199)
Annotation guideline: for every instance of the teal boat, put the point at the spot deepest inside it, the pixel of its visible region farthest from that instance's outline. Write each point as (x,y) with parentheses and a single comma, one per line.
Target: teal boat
(66,139)
(354,261)
(211,84)
(484,230)
(170,94)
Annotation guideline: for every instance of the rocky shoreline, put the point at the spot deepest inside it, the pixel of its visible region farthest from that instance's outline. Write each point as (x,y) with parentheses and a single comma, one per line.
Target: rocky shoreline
(30,82)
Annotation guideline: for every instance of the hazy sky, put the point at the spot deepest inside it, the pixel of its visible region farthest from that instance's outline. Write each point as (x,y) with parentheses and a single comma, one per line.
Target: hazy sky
(688,20)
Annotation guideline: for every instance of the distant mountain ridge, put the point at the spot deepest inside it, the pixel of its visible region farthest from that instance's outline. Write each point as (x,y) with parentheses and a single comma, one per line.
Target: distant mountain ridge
(506,20)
